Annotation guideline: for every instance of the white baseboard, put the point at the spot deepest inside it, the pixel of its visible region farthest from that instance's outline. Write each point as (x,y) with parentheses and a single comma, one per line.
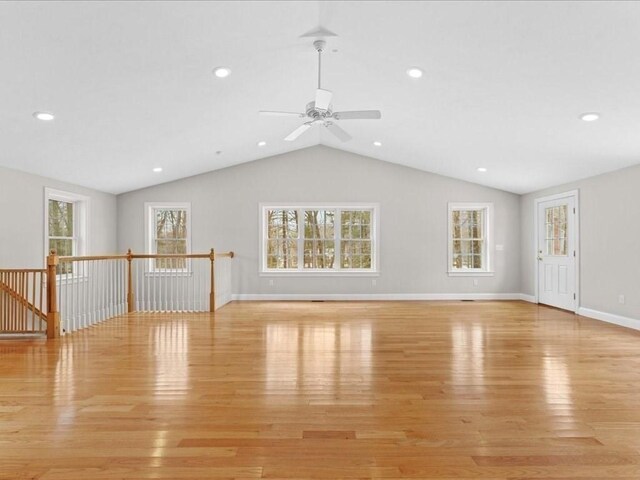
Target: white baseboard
(610,318)
(375,296)
(528,298)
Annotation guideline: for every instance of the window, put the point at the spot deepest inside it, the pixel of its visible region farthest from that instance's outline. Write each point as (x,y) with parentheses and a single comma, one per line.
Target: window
(65,225)
(556,230)
(168,232)
(324,239)
(470,239)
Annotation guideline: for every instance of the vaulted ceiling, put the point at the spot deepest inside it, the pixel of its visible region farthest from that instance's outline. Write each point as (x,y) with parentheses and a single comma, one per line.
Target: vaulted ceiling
(504,84)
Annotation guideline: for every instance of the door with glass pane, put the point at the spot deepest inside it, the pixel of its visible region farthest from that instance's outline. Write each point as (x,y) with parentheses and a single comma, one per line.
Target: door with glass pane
(557,252)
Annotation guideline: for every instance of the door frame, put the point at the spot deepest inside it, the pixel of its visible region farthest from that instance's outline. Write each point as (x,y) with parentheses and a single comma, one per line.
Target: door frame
(536,203)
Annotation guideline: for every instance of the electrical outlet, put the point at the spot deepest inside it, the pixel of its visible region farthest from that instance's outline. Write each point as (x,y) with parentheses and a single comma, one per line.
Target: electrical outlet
(499,248)
(475,282)
(374,282)
(271,282)
(620,298)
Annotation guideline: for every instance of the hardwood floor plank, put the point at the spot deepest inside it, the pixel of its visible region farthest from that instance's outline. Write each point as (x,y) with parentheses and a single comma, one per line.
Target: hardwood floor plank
(295,390)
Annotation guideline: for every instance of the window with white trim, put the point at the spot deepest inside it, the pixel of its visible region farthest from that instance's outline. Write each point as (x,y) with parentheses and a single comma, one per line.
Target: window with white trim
(319,238)
(168,231)
(65,225)
(470,238)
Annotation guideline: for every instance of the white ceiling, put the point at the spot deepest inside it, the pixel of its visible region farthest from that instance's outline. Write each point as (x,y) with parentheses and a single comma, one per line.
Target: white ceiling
(131,86)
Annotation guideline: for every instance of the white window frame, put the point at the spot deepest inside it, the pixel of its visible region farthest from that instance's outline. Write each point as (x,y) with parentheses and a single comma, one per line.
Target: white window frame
(150,247)
(488,240)
(81,205)
(374,271)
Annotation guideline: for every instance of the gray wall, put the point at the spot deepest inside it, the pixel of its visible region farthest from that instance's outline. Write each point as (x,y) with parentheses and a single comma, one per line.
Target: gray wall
(22,205)
(413,220)
(609,240)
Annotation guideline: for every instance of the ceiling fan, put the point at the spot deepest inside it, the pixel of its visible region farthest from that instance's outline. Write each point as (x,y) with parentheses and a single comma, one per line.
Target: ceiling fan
(320,111)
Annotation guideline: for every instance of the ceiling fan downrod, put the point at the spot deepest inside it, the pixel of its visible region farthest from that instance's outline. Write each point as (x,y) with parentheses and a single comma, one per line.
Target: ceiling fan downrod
(319,45)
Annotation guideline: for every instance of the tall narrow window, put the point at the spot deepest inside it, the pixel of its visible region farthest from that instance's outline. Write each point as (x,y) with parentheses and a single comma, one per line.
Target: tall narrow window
(168,234)
(469,238)
(356,239)
(556,225)
(65,225)
(319,239)
(282,243)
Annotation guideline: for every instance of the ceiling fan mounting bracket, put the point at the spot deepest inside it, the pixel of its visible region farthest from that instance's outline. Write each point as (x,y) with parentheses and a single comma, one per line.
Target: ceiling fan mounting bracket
(319,45)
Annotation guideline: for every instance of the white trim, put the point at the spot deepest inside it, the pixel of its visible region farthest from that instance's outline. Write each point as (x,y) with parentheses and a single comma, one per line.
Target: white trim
(470,273)
(336,272)
(319,273)
(576,229)
(528,298)
(148,245)
(374,296)
(488,240)
(81,216)
(627,322)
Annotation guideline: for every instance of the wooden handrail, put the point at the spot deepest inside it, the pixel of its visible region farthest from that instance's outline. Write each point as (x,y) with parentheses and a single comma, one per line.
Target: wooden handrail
(53,260)
(170,255)
(92,257)
(49,276)
(141,255)
(23,270)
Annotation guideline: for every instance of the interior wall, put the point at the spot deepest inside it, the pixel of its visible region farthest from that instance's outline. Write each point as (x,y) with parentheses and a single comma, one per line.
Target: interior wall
(413,221)
(22,243)
(609,241)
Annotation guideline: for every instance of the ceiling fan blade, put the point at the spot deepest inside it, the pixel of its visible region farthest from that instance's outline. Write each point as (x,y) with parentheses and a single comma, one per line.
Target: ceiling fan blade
(323,99)
(358,115)
(269,113)
(297,132)
(338,132)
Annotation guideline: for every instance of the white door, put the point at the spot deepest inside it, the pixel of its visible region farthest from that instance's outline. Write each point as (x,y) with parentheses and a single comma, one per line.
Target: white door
(556,232)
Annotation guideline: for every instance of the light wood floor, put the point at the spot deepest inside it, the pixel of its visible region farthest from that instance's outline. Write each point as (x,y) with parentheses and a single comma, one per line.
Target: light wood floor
(431,390)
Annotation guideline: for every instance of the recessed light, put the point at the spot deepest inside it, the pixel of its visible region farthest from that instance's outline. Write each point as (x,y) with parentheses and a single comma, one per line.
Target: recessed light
(262,143)
(157,169)
(590,117)
(377,144)
(222,72)
(482,169)
(44,116)
(414,72)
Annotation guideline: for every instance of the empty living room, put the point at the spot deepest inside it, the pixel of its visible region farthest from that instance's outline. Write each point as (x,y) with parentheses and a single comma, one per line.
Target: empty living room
(312,240)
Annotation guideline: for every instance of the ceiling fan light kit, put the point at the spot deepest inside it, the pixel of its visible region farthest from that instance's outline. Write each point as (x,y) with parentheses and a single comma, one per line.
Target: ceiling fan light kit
(320,111)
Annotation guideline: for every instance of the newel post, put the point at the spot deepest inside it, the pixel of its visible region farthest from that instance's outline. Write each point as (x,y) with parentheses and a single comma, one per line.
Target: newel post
(212,293)
(129,282)
(53,316)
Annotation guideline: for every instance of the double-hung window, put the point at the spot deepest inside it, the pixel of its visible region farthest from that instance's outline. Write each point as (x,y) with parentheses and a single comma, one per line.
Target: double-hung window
(65,225)
(470,238)
(168,228)
(319,239)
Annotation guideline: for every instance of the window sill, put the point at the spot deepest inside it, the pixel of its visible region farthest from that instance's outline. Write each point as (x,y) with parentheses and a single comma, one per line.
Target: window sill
(63,279)
(169,273)
(320,273)
(471,273)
